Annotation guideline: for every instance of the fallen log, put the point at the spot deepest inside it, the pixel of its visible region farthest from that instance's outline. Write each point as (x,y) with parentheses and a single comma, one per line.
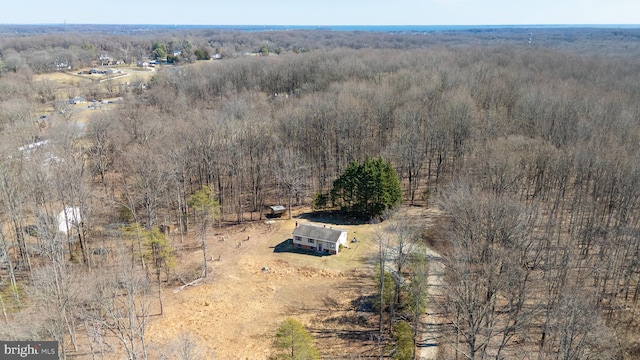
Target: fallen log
(193,283)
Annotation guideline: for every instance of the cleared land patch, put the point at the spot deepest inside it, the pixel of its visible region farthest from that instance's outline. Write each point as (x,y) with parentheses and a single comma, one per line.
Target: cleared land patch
(236,311)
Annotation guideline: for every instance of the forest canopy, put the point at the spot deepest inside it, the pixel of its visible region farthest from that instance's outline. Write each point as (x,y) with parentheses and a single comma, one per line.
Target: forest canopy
(526,150)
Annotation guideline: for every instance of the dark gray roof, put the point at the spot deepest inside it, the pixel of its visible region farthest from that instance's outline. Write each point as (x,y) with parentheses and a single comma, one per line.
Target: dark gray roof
(318,232)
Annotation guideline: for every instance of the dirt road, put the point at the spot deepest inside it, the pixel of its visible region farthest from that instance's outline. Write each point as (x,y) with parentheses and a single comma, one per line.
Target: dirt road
(432,319)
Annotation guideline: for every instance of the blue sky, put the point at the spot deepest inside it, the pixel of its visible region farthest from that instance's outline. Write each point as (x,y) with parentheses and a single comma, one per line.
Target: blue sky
(322,12)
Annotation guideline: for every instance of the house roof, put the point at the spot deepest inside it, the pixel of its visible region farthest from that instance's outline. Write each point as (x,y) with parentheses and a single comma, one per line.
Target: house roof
(318,232)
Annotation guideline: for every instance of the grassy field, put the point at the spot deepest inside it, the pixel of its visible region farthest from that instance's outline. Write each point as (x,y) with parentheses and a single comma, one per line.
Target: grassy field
(68,85)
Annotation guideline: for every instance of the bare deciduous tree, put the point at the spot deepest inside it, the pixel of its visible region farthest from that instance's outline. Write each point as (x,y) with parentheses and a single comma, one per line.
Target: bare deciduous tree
(121,306)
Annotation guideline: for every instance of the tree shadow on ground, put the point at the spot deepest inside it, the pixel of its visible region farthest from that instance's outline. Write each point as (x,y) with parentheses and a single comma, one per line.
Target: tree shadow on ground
(363,303)
(287,246)
(352,335)
(334,217)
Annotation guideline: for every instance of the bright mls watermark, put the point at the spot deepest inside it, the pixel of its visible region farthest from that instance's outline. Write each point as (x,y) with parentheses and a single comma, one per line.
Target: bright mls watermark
(40,350)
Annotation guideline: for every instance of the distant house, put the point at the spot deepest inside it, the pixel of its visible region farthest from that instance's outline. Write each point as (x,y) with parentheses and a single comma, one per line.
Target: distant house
(319,238)
(105,60)
(28,149)
(77,100)
(62,66)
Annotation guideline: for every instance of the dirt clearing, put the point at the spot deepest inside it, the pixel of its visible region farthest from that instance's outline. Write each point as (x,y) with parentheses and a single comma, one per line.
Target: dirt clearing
(251,289)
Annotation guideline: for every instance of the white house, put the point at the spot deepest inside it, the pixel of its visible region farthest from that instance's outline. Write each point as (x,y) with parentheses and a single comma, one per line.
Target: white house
(319,238)
(69,219)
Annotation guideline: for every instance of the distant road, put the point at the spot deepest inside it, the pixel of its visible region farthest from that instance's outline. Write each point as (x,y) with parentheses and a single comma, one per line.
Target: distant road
(116,77)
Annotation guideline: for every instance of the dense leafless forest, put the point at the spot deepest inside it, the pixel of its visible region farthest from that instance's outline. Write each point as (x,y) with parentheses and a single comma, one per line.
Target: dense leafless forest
(527,139)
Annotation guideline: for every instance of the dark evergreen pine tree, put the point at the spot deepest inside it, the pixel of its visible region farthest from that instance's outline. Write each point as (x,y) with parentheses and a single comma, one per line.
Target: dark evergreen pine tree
(367,188)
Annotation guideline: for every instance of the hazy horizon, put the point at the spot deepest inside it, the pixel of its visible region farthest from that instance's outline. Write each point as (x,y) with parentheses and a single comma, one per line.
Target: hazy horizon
(340,27)
(327,13)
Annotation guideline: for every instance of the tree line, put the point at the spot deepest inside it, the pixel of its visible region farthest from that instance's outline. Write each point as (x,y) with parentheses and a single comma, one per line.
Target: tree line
(70,47)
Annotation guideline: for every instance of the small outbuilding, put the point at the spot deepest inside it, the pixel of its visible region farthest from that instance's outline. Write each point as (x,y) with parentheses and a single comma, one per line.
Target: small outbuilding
(277,210)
